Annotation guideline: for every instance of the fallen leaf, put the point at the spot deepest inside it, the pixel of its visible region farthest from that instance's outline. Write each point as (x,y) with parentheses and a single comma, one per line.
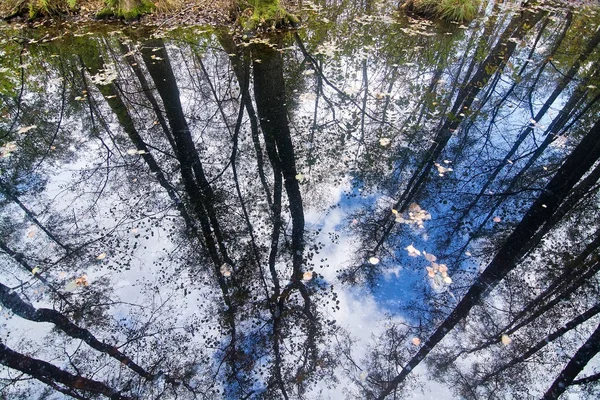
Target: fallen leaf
(225,270)
(506,340)
(412,251)
(307,276)
(101,256)
(82,281)
(429,256)
(26,129)
(416,341)
(384,141)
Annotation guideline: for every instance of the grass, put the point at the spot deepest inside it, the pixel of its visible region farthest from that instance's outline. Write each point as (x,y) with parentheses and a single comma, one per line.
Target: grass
(128,9)
(448,10)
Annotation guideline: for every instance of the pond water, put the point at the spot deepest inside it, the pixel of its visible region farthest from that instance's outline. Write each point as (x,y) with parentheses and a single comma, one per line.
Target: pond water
(373,206)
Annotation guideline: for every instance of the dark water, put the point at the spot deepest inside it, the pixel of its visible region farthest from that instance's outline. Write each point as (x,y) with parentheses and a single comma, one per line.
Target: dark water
(370,206)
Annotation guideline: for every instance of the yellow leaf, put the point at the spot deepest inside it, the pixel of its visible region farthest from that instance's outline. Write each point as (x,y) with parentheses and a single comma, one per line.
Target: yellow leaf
(307,276)
(101,256)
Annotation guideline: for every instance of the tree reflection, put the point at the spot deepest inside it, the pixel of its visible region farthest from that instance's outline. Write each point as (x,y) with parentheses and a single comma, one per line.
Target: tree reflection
(177,209)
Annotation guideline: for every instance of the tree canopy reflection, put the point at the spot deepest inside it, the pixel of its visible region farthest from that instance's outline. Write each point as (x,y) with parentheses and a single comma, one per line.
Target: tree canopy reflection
(191,214)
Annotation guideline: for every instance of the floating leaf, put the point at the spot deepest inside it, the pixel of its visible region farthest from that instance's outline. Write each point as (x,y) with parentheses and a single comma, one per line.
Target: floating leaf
(384,141)
(7,149)
(105,76)
(416,216)
(374,260)
(442,170)
(26,129)
(429,256)
(225,270)
(412,251)
(82,281)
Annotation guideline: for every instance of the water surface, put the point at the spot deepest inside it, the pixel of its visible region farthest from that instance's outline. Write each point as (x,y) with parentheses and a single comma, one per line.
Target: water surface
(305,214)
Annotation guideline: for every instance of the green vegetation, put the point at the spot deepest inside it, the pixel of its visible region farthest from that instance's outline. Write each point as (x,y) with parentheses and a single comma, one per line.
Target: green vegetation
(256,14)
(449,10)
(35,8)
(126,9)
(266,14)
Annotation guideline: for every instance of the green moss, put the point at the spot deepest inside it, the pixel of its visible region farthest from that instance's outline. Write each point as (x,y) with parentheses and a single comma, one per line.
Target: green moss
(127,10)
(266,14)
